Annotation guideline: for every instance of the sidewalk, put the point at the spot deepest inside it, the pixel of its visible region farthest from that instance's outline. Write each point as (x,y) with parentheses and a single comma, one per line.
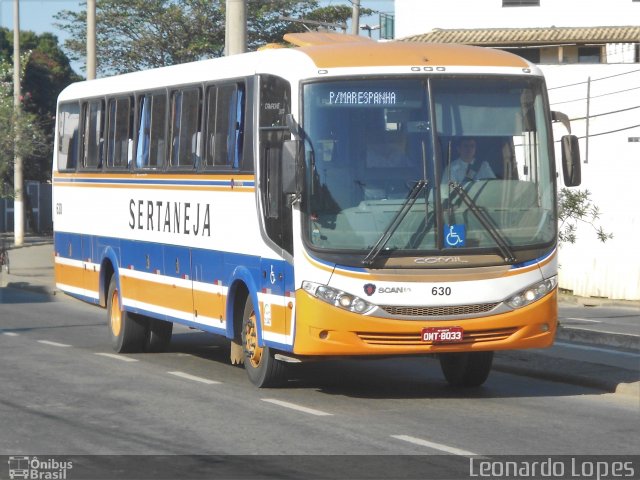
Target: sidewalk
(30,266)
(32,269)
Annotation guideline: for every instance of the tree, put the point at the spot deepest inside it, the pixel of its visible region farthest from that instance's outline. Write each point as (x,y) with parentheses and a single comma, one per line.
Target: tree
(141,34)
(576,207)
(32,138)
(265,23)
(45,72)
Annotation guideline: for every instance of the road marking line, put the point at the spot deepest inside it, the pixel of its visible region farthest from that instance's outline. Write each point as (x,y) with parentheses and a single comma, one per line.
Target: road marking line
(53,344)
(194,378)
(10,334)
(578,329)
(117,357)
(435,446)
(299,408)
(580,319)
(597,349)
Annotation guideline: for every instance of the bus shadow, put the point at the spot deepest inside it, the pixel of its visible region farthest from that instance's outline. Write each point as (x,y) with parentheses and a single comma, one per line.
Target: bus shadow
(416,378)
(380,378)
(200,344)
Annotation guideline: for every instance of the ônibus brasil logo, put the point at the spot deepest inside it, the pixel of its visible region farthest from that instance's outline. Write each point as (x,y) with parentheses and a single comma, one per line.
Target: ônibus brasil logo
(38,469)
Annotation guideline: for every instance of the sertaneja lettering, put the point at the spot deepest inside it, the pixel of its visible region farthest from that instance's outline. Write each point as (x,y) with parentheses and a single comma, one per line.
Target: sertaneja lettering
(184,218)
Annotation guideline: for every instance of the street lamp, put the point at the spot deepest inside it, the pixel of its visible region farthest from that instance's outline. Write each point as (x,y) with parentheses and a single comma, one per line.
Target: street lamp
(369,28)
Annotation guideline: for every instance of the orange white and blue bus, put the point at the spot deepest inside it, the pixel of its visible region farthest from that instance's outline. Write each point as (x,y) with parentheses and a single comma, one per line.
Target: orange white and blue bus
(303,203)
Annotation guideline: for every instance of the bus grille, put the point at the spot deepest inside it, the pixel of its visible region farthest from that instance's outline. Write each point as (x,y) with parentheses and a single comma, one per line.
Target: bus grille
(415,339)
(441,311)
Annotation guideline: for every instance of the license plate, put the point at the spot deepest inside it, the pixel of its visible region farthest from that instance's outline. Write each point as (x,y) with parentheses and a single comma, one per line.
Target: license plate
(442,334)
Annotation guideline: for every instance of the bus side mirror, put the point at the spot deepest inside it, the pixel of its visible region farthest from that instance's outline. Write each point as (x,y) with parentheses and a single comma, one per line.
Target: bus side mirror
(571,161)
(291,167)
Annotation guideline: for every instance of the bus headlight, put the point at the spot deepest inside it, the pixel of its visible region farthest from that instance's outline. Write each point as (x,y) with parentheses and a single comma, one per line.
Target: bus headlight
(533,293)
(338,298)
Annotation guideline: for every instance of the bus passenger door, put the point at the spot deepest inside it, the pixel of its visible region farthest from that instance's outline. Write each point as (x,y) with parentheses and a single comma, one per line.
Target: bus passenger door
(273,302)
(275,105)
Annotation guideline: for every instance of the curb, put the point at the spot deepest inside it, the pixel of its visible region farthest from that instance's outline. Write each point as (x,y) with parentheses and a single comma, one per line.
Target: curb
(591,337)
(605,378)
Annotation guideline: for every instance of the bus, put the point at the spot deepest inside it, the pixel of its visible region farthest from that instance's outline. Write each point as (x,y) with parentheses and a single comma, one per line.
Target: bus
(303,203)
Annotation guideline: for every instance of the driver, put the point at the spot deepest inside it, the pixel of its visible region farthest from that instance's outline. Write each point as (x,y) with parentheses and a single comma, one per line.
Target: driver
(466,167)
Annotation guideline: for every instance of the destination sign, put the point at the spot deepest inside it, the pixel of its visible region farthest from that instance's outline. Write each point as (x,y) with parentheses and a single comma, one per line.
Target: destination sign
(362,97)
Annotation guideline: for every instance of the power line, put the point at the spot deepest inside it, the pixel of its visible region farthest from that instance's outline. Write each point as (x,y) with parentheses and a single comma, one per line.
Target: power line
(596,96)
(605,133)
(594,80)
(612,131)
(606,113)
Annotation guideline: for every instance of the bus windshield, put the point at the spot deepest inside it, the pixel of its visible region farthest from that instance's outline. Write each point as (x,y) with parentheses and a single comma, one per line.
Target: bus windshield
(479,149)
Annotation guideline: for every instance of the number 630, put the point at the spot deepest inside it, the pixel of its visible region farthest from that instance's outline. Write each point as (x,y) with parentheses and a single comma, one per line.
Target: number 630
(441,291)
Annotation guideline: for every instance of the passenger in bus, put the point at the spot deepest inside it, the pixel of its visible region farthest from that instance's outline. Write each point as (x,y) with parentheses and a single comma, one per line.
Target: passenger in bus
(467,167)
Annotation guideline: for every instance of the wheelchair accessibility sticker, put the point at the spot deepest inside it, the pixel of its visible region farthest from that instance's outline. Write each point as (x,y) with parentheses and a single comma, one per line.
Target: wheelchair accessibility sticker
(455,235)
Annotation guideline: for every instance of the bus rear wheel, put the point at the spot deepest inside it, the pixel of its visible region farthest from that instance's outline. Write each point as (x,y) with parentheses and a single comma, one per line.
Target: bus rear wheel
(466,369)
(128,332)
(259,362)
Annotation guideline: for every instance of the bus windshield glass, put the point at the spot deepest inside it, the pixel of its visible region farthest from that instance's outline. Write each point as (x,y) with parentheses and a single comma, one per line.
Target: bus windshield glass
(480,146)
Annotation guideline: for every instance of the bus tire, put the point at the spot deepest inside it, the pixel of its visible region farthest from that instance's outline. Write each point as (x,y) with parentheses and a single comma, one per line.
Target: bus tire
(466,369)
(259,362)
(128,331)
(158,336)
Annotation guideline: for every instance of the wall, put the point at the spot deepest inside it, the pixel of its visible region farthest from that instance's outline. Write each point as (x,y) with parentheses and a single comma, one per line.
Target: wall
(419,16)
(612,175)
(39,219)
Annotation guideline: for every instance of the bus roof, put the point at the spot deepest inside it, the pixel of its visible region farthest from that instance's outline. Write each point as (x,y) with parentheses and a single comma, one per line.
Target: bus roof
(334,50)
(313,51)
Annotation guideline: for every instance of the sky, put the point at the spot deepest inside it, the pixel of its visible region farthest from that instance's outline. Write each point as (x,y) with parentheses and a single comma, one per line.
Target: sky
(37,15)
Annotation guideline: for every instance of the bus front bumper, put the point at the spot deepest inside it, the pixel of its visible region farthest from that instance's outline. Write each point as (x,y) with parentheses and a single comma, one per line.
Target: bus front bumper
(323,329)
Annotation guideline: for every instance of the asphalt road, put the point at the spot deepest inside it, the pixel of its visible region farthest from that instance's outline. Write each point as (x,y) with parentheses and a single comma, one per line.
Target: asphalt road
(65,393)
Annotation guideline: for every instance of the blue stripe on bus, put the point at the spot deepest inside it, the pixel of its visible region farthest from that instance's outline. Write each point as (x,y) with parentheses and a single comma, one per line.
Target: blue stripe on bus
(172,261)
(157,181)
(534,261)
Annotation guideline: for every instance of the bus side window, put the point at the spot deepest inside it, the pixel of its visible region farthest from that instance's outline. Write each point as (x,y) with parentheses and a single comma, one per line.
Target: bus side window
(144,128)
(68,126)
(119,134)
(93,134)
(223,131)
(185,128)
(151,147)
(210,126)
(225,125)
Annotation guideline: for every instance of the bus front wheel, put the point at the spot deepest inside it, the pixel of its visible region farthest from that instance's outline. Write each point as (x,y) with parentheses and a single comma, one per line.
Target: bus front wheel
(128,332)
(466,369)
(259,362)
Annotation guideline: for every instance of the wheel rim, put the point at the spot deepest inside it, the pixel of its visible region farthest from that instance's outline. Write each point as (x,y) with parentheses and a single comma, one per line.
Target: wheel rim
(115,318)
(252,351)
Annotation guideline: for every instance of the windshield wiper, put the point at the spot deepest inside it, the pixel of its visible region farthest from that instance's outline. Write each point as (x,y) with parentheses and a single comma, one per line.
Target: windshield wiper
(497,236)
(395,222)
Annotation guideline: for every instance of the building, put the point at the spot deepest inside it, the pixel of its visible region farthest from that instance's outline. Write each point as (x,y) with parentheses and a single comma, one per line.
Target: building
(542,31)
(589,53)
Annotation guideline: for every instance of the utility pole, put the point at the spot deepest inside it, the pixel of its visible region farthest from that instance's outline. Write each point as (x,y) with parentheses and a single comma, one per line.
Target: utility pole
(18,200)
(355,17)
(91,39)
(236,27)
